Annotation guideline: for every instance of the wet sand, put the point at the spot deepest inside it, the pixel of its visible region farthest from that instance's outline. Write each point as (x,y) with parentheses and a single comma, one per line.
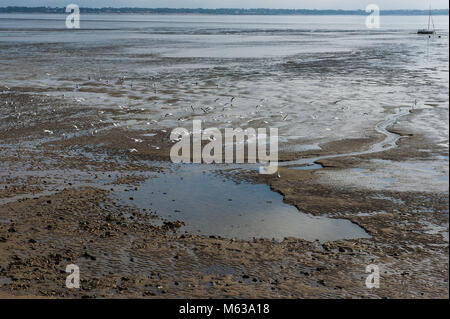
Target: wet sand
(59,200)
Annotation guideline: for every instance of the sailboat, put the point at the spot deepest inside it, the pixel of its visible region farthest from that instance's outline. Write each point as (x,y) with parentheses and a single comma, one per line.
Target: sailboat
(430,23)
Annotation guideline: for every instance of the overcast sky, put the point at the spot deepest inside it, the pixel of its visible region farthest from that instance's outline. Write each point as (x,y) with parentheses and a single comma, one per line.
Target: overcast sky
(297,4)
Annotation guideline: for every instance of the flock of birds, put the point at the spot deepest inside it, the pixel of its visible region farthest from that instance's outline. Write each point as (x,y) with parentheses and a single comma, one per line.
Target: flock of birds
(193,108)
(205,109)
(193,111)
(229,104)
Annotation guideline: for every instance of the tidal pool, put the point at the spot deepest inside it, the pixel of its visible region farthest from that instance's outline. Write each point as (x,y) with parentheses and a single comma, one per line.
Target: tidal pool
(211,204)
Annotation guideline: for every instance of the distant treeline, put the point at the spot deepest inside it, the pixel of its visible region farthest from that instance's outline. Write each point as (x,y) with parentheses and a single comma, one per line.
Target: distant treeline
(219,11)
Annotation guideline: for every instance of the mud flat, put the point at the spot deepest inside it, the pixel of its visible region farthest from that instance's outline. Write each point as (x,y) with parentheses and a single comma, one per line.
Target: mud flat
(77,189)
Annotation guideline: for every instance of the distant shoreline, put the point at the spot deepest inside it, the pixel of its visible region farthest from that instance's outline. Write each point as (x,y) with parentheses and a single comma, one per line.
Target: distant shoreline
(222,11)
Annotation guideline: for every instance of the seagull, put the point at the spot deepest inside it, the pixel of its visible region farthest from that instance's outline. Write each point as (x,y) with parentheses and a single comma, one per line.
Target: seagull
(225,105)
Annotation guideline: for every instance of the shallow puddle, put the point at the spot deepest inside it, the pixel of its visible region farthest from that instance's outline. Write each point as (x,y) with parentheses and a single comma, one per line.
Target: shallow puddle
(210,204)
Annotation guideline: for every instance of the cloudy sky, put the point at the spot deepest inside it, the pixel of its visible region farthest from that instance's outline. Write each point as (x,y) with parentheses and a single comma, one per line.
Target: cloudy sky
(298,4)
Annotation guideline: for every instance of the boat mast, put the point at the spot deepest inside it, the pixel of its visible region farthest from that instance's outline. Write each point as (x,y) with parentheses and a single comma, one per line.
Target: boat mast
(432,21)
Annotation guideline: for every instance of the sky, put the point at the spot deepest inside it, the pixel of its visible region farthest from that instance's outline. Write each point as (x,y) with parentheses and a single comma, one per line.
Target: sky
(291,4)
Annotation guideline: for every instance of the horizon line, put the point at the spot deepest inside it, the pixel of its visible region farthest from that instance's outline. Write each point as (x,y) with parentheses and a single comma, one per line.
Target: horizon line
(221,11)
(225,8)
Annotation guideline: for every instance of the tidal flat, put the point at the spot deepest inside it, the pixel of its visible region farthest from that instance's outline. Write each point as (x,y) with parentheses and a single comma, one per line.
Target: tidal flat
(86,176)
